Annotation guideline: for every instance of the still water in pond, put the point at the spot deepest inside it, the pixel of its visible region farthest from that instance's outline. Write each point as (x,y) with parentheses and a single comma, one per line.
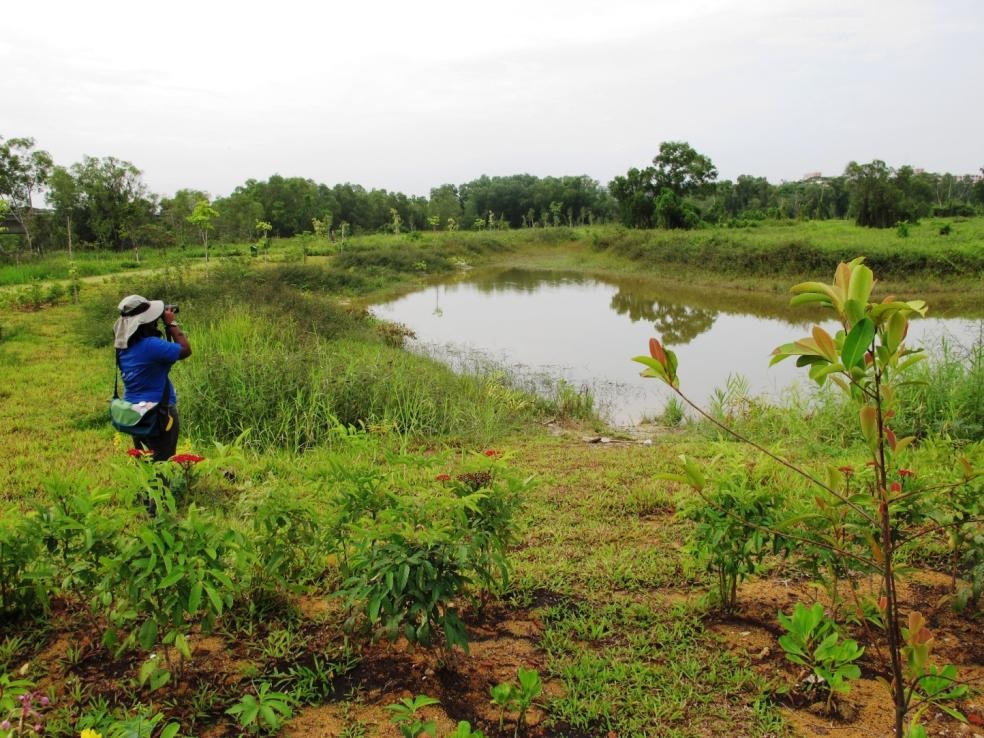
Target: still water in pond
(585,330)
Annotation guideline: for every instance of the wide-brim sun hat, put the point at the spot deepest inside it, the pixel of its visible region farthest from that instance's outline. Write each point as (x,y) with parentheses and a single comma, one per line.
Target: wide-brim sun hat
(135,311)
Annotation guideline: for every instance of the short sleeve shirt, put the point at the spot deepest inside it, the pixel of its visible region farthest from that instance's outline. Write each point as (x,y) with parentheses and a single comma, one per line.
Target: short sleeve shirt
(144,366)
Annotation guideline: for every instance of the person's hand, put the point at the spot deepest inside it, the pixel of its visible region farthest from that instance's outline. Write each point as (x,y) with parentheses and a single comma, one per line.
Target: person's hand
(168,317)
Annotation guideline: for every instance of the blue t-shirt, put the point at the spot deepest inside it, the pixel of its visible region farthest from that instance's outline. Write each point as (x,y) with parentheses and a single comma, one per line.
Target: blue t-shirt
(144,366)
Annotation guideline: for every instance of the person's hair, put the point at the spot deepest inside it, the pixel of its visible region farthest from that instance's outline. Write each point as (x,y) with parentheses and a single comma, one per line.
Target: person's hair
(144,331)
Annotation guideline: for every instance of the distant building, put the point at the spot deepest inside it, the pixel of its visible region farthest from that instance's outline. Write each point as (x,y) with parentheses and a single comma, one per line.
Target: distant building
(811,176)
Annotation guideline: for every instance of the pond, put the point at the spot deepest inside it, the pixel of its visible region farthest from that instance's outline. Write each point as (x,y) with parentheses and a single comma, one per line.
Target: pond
(586,329)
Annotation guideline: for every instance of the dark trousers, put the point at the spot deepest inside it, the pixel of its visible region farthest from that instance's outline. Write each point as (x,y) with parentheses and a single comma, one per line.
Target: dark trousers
(164,445)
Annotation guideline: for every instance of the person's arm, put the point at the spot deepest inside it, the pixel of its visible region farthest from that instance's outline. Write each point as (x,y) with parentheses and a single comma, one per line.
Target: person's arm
(177,335)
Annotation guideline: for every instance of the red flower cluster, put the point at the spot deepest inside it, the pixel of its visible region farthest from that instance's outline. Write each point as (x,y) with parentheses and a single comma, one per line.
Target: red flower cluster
(492,453)
(906,473)
(848,470)
(443,478)
(895,487)
(187,459)
(139,452)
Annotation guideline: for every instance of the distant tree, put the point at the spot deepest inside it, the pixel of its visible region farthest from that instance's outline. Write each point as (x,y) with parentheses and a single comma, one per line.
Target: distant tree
(112,201)
(677,168)
(322,226)
(635,197)
(238,214)
(263,237)
(395,220)
(202,217)
(680,168)
(4,210)
(64,196)
(876,200)
(672,211)
(24,171)
(555,210)
(175,211)
(434,221)
(444,203)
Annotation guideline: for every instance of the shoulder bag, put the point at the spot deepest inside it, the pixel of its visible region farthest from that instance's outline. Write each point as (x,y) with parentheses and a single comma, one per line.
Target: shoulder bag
(139,419)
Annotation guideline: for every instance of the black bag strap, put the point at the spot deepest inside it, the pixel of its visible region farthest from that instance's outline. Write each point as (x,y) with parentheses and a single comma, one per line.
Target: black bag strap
(165,395)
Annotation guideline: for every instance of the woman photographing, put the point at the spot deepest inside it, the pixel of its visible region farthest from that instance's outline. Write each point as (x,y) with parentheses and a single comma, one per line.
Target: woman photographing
(145,358)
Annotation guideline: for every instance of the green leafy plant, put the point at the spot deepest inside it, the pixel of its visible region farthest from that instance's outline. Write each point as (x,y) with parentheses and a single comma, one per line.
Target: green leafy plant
(145,724)
(408,721)
(465,730)
(504,697)
(404,575)
(733,535)
(868,360)
(812,641)
(288,541)
(171,573)
(265,712)
(959,512)
(406,565)
(16,700)
(517,697)
(25,573)
(927,684)
(78,530)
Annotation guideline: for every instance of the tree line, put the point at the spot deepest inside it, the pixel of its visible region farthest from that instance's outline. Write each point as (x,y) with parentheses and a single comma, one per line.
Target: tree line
(680,189)
(104,203)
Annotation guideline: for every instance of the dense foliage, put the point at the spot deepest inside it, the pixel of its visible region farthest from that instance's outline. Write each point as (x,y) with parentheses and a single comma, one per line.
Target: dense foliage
(680,190)
(103,202)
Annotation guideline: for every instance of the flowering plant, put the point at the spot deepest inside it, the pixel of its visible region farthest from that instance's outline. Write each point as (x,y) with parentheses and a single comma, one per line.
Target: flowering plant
(23,719)
(186,462)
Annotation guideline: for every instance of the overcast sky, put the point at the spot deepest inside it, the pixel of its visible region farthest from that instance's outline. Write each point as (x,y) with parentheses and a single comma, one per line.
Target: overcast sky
(409,95)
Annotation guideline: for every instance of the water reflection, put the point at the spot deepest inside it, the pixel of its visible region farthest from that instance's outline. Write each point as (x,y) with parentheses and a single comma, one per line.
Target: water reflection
(585,329)
(675,322)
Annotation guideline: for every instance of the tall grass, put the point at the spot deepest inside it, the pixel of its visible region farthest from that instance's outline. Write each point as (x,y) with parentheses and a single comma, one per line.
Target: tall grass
(945,398)
(293,390)
(276,354)
(948,397)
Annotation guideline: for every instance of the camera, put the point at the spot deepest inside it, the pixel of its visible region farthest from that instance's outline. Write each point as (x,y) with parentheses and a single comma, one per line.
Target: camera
(172,308)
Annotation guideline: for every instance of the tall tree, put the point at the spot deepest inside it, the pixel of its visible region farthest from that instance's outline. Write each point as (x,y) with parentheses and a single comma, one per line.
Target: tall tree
(175,211)
(680,168)
(65,198)
(113,201)
(876,200)
(635,196)
(201,217)
(24,171)
(677,168)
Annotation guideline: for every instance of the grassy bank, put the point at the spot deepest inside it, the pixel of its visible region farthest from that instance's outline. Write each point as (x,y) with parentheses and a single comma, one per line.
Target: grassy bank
(768,250)
(337,465)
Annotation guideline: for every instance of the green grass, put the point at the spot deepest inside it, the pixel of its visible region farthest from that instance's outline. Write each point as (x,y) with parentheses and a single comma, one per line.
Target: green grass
(330,401)
(770,248)
(808,248)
